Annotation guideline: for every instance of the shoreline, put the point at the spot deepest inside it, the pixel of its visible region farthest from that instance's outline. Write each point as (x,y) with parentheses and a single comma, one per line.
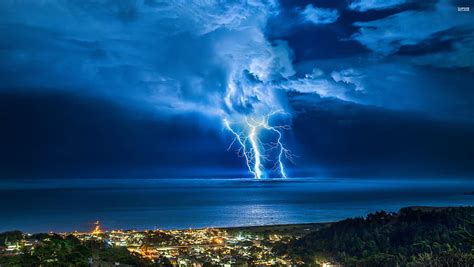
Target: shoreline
(386,238)
(253,228)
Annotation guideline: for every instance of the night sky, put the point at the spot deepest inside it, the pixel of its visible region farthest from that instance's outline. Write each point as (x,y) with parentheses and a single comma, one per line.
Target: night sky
(139,89)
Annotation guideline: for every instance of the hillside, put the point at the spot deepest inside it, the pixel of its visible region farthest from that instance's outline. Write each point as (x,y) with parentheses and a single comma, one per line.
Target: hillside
(413,236)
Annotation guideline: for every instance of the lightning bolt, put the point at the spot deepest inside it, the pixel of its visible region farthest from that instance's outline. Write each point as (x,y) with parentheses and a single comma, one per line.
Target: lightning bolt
(253,149)
(243,149)
(257,168)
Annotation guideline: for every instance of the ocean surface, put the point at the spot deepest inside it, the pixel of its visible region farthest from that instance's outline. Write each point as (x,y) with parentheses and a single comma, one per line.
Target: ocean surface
(68,205)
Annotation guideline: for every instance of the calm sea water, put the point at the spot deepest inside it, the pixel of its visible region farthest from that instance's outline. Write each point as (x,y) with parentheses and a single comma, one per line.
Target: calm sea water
(66,205)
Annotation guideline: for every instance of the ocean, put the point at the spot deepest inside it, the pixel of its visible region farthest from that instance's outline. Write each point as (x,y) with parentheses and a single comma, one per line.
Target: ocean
(44,205)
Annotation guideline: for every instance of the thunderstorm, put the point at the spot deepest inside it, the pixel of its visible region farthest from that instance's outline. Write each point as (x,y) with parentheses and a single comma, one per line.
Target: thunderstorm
(253,149)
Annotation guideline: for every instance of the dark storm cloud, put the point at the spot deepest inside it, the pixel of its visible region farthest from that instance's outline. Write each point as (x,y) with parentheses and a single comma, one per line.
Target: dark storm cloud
(394,84)
(380,75)
(375,55)
(59,135)
(346,139)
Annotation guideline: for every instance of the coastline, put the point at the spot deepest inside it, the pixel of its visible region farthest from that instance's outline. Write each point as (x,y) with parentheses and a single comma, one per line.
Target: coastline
(310,226)
(383,237)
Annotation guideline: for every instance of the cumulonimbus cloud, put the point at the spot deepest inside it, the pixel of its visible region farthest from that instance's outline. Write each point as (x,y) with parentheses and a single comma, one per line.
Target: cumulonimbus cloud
(199,56)
(208,57)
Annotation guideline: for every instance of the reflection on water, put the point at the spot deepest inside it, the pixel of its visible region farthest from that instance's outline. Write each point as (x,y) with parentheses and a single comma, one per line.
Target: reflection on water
(64,205)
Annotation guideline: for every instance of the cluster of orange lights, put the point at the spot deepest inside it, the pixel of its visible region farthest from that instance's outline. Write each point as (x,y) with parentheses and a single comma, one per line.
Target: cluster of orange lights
(218,241)
(97,229)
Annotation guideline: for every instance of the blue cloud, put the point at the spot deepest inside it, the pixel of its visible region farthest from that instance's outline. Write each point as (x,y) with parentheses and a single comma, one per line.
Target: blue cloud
(210,58)
(174,57)
(317,15)
(409,28)
(366,5)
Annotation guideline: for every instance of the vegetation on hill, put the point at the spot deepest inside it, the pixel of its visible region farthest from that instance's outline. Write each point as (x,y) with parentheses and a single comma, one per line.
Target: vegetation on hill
(55,250)
(414,236)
